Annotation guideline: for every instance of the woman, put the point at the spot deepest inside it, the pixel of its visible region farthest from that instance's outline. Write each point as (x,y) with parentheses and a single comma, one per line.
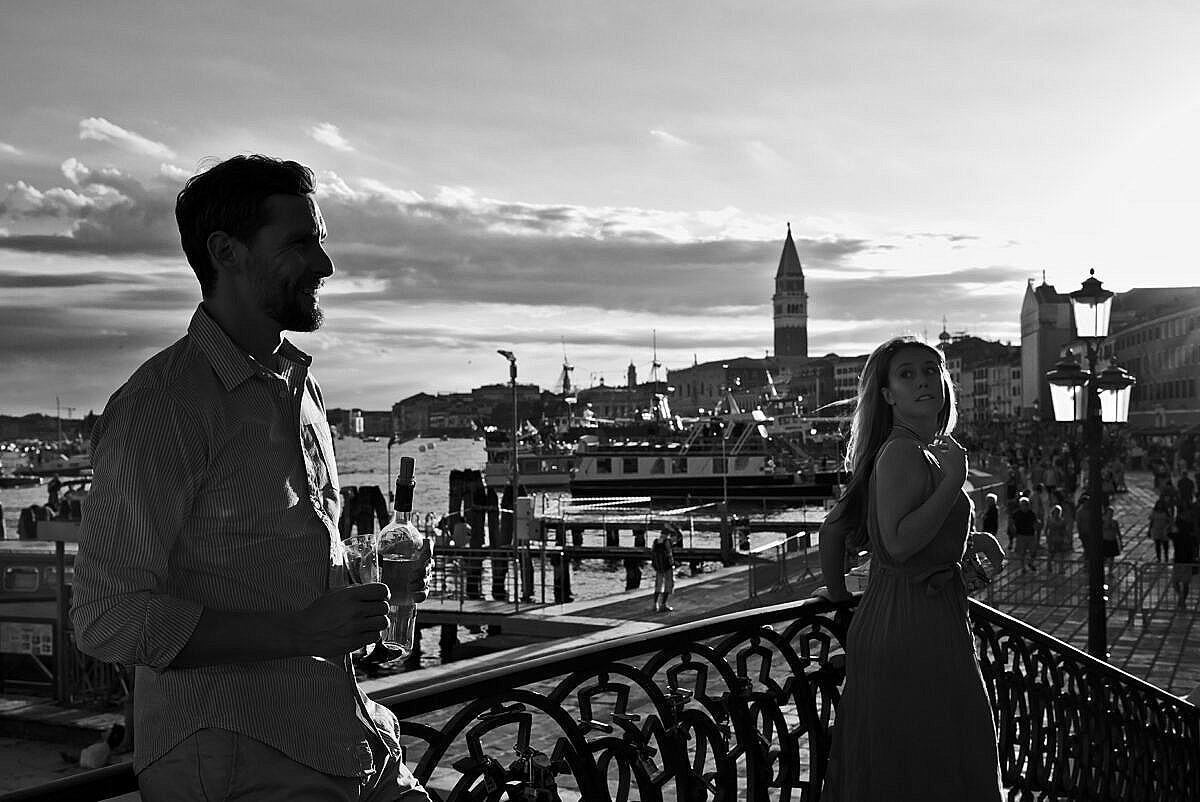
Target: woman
(914,721)
(1058,540)
(1160,531)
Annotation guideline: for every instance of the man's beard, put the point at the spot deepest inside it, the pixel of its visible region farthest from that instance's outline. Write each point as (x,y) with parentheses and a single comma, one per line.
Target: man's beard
(292,309)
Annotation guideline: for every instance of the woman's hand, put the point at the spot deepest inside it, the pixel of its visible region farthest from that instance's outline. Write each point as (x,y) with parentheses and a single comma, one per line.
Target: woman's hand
(953,459)
(987,545)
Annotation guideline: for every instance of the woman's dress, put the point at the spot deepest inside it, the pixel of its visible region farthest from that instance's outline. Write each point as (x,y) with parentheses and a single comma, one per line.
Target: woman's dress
(914,721)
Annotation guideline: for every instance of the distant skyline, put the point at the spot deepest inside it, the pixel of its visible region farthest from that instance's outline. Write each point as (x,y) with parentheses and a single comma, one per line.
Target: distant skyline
(574,176)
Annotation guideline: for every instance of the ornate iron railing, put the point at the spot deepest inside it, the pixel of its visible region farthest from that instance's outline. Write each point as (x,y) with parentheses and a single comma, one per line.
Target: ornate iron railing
(740,707)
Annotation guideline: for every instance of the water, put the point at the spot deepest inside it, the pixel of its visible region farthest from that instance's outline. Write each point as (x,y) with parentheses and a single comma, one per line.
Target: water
(367,463)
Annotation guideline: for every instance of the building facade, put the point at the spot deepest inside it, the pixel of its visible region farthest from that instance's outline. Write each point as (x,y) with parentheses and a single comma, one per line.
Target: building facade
(1158,341)
(1046,329)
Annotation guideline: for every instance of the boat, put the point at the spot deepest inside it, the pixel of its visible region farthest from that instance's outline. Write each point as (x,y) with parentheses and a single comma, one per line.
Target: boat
(542,462)
(51,462)
(726,454)
(370,439)
(9,480)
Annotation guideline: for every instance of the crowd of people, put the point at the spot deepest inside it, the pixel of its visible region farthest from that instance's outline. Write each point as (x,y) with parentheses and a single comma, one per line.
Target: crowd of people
(1047,503)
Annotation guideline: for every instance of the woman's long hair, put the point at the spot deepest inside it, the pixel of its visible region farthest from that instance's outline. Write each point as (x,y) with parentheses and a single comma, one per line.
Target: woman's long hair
(870,429)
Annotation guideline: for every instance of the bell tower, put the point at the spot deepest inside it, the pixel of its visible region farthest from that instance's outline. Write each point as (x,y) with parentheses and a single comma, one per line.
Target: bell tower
(791,304)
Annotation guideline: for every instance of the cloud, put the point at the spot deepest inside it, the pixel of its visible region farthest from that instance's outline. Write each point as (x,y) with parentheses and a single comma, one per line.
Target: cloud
(105,211)
(329,135)
(174,173)
(669,139)
(11,150)
(102,130)
(470,271)
(762,154)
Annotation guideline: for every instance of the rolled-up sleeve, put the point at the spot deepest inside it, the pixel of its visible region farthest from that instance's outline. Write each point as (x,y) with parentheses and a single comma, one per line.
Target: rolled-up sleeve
(146,455)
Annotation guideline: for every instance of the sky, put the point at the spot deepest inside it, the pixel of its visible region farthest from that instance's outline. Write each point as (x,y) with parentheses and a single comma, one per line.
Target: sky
(589,181)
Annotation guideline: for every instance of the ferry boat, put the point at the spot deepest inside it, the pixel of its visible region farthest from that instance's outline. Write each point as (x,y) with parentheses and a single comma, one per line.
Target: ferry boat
(728,454)
(542,462)
(51,462)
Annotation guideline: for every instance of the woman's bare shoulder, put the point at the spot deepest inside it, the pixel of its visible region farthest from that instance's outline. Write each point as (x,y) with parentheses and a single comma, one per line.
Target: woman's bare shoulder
(901,454)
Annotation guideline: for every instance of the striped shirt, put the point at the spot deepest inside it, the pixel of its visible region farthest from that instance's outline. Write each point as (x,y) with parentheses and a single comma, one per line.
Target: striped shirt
(215,486)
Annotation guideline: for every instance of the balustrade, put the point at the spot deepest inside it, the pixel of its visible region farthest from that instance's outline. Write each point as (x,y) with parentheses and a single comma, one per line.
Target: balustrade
(740,707)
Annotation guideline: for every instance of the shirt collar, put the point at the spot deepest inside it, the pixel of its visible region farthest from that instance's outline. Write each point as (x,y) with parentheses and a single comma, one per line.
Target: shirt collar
(230,363)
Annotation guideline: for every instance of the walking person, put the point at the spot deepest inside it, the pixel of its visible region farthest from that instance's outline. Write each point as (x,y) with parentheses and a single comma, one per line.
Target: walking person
(914,721)
(1183,538)
(1160,531)
(989,521)
(1058,540)
(662,559)
(1110,540)
(1083,522)
(1023,528)
(209,551)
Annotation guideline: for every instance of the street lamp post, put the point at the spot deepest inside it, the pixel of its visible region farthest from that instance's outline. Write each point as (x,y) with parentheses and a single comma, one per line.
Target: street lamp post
(512,470)
(1096,399)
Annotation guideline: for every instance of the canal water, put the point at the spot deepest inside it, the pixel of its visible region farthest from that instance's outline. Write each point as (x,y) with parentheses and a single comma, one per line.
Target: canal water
(374,463)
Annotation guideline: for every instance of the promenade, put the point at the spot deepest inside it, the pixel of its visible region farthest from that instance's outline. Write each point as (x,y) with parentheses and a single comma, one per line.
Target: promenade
(1159,643)
(1148,635)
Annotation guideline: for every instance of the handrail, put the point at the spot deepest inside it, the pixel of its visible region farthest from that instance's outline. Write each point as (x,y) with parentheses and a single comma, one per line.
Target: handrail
(740,706)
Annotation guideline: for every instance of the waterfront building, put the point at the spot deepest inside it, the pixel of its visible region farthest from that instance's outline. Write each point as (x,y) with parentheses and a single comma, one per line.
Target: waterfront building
(1156,337)
(846,370)
(1045,330)
(702,386)
(360,422)
(986,376)
(812,381)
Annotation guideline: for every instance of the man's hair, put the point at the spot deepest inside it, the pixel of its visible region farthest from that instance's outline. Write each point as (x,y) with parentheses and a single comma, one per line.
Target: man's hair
(231,197)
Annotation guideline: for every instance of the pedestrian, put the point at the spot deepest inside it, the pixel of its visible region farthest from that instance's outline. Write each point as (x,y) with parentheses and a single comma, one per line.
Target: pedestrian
(662,559)
(1160,531)
(1110,540)
(990,520)
(1058,540)
(1185,488)
(209,551)
(1023,528)
(1183,538)
(913,685)
(1083,522)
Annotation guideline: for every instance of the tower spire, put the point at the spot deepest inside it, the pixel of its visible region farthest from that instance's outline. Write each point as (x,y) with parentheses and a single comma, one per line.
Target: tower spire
(790,303)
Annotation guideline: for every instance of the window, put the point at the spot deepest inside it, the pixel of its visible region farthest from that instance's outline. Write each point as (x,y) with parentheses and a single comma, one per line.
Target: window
(21,579)
(629,465)
(604,465)
(679,465)
(719,465)
(658,466)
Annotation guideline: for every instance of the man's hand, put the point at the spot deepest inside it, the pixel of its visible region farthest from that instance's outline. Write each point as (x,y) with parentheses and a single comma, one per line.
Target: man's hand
(832,595)
(343,620)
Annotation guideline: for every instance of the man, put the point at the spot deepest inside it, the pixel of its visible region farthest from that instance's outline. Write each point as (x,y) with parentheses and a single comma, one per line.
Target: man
(662,558)
(209,554)
(1023,528)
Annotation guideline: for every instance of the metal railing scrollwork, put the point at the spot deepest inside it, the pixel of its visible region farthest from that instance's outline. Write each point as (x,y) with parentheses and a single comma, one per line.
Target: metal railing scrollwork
(740,707)
(713,710)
